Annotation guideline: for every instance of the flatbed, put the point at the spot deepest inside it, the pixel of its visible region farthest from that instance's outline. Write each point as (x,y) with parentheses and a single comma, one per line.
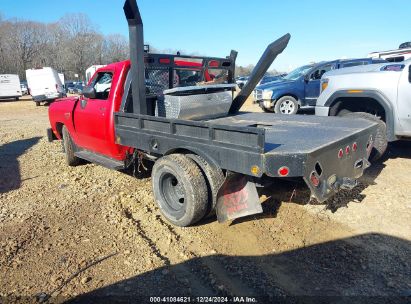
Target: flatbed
(179,112)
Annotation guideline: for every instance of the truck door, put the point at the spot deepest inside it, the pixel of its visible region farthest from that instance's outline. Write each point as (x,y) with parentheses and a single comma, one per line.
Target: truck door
(313,83)
(91,116)
(404,100)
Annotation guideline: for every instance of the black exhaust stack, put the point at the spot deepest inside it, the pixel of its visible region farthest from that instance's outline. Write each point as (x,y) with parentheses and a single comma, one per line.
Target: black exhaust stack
(135,28)
(272,51)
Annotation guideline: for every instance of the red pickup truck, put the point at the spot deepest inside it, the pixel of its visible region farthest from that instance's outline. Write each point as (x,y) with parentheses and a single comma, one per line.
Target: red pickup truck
(179,112)
(89,123)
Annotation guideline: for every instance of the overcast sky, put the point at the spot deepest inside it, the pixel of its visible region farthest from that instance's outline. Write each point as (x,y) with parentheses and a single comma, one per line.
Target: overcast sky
(320,29)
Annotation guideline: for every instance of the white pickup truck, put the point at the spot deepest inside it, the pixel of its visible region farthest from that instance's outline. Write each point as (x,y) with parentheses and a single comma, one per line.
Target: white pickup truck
(380,92)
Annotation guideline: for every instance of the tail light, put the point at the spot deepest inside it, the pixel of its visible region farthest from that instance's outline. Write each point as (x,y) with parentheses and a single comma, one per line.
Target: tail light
(314,179)
(283,171)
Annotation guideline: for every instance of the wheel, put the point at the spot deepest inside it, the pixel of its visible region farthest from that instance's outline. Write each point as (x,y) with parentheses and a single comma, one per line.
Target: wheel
(286,105)
(180,189)
(214,178)
(17,98)
(37,103)
(69,147)
(380,140)
(344,112)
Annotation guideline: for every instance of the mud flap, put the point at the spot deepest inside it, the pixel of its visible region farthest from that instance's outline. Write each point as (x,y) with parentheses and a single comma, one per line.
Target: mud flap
(236,198)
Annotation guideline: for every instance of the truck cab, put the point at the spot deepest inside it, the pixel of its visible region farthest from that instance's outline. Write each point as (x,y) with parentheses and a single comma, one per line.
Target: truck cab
(301,87)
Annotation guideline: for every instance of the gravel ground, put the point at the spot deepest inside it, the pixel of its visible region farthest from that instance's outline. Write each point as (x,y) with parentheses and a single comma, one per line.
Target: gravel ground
(85,232)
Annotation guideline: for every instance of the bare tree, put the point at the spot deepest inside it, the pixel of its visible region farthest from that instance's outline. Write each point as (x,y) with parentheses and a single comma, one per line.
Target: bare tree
(115,48)
(70,45)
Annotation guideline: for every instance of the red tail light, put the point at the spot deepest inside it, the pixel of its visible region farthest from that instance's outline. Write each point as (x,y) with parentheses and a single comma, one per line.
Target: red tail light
(164,60)
(314,179)
(213,64)
(283,171)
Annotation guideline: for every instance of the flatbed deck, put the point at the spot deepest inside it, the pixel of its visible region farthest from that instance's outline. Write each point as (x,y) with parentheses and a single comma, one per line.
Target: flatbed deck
(290,133)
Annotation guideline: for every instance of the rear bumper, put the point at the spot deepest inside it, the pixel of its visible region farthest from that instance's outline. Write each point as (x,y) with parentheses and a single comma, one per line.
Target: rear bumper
(329,169)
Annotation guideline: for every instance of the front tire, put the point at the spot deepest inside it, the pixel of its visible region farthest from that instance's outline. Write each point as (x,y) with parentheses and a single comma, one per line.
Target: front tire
(180,189)
(286,105)
(380,140)
(69,148)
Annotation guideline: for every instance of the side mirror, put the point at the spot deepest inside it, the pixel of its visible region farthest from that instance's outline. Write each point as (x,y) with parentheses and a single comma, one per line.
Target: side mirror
(409,73)
(307,77)
(89,92)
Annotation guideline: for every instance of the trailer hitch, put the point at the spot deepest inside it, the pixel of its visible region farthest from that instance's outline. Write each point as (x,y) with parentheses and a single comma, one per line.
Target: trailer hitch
(237,198)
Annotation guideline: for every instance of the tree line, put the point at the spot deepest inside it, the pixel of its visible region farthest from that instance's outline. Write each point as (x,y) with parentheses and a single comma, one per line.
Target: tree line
(70,45)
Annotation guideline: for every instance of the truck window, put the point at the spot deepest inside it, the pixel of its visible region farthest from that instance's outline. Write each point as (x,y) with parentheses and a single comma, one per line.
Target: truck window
(102,85)
(354,63)
(396,59)
(318,73)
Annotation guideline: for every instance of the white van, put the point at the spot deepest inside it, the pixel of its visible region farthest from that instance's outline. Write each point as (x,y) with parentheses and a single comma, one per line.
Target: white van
(10,86)
(44,84)
(91,70)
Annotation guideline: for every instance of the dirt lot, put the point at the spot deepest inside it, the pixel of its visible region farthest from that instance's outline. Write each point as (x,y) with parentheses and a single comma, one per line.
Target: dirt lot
(87,231)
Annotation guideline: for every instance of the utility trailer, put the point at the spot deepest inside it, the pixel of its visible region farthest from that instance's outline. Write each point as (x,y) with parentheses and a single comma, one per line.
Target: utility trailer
(212,158)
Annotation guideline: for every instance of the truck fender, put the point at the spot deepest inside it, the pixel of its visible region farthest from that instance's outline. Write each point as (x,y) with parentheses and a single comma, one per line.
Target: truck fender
(188,150)
(373,94)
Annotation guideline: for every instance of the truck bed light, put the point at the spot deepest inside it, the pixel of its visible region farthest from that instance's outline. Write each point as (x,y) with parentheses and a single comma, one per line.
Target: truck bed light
(314,179)
(213,64)
(164,60)
(283,171)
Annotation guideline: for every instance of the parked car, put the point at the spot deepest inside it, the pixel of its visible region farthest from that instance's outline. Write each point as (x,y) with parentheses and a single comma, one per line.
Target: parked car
(380,93)
(301,87)
(241,81)
(270,78)
(44,85)
(24,90)
(10,87)
(69,86)
(78,88)
(401,54)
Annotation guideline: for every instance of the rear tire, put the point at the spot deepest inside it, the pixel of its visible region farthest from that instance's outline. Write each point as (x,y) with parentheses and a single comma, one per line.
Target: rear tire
(287,105)
(69,148)
(380,140)
(17,98)
(37,103)
(214,178)
(180,189)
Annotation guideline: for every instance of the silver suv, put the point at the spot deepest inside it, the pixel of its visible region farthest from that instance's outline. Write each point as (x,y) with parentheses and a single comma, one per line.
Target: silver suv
(379,92)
